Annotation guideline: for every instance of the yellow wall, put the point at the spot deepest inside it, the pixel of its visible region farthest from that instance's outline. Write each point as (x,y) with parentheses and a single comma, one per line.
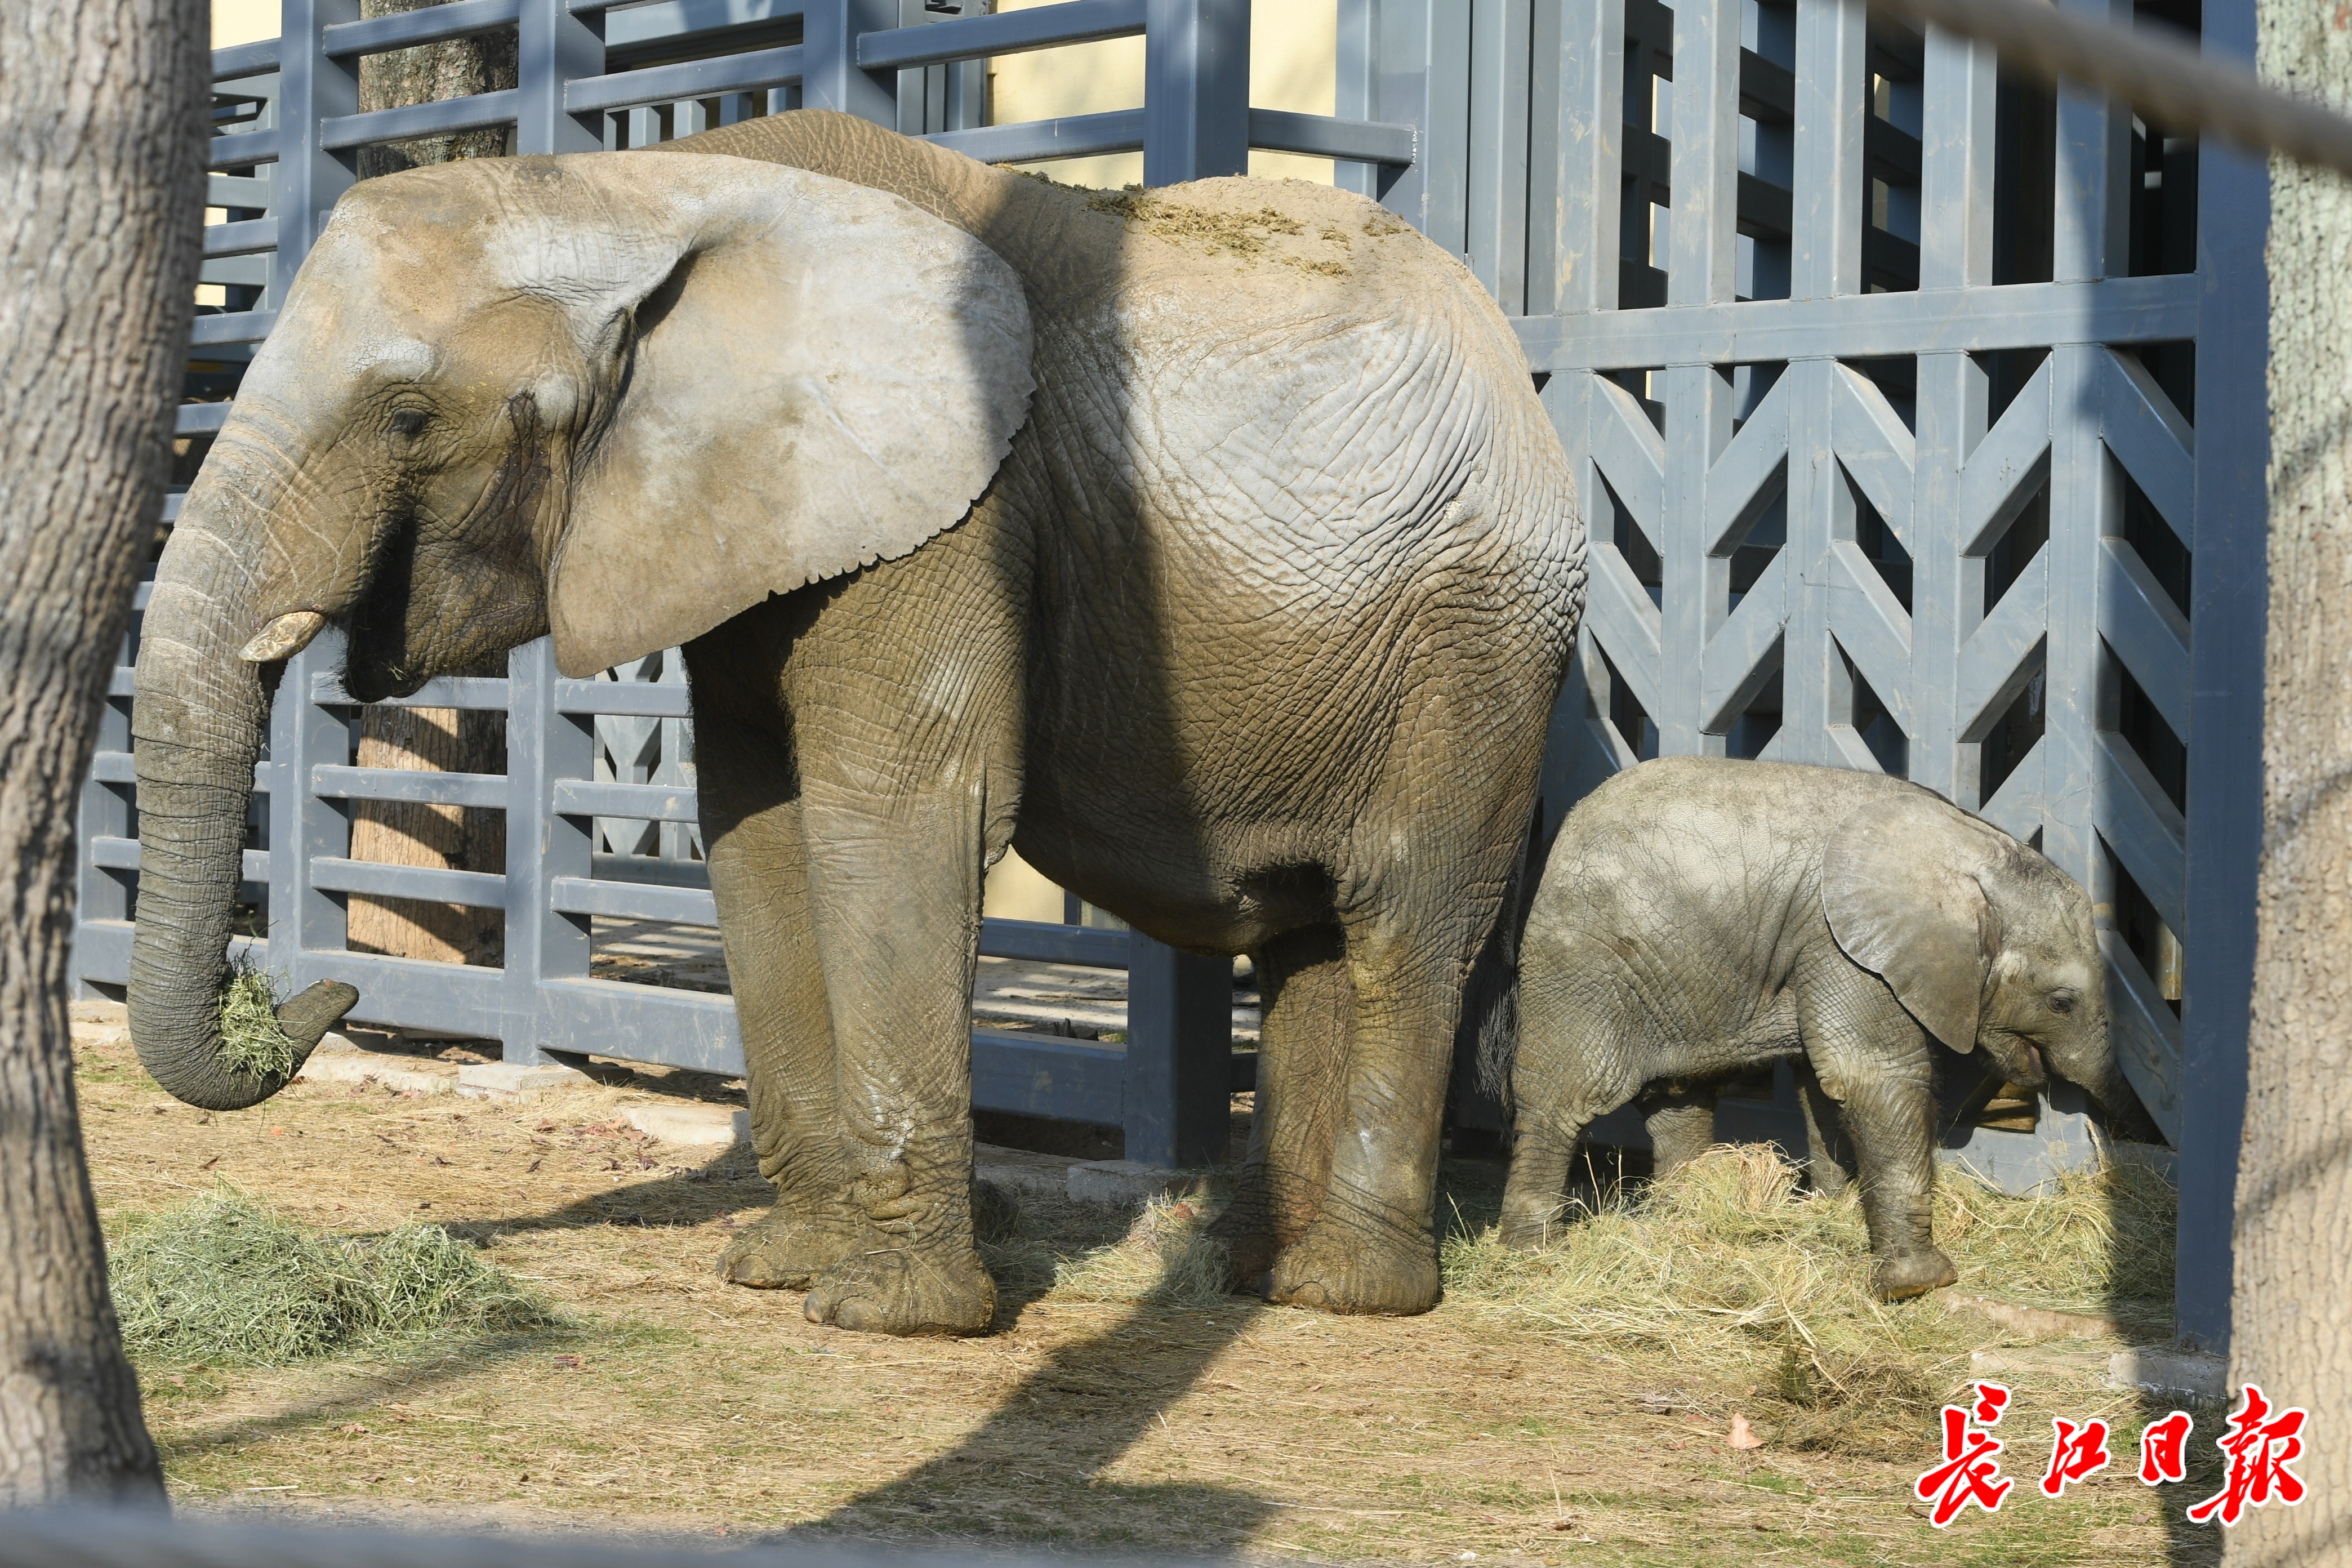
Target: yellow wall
(243,21)
(1294,53)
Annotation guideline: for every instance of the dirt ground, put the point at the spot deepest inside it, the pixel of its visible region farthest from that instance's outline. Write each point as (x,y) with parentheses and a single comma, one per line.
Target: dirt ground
(1137,1417)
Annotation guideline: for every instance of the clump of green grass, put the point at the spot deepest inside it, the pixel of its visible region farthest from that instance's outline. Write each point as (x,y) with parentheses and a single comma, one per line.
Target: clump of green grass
(252,1042)
(1730,1271)
(227,1280)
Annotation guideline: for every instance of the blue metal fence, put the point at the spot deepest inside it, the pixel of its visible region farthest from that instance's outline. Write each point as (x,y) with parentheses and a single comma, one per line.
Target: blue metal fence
(1877,368)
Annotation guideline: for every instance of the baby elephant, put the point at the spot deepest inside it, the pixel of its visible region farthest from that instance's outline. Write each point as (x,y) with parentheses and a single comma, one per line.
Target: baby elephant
(1699,917)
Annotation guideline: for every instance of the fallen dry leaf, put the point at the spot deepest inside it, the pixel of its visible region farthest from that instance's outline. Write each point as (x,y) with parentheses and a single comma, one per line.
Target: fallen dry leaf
(1741,1437)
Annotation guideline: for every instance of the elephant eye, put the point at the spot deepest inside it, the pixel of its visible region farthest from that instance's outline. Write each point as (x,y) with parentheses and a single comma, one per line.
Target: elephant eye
(2062,1002)
(409,423)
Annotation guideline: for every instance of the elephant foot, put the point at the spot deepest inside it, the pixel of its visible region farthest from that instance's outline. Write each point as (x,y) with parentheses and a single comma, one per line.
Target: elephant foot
(1334,1270)
(788,1248)
(1526,1236)
(906,1290)
(1899,1275)
(1529,1228)
(1246,1228)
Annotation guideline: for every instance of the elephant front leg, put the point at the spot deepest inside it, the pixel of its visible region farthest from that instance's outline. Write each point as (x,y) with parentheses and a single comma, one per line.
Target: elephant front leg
(1893,1130)
(759,875)
(1882,1063)
(1371,1247)
(895,891)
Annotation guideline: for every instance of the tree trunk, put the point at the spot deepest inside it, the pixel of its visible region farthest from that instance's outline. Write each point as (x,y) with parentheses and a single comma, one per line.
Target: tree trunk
(104,122)
(428,74)
(2292,1310)
(431,740)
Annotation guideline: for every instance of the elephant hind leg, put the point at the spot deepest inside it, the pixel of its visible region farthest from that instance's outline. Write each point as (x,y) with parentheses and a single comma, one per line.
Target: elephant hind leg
(1370,1248)
(1295,1118)
(1829,1154)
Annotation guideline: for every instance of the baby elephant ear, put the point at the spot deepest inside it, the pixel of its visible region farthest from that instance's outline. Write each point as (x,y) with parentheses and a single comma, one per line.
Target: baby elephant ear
(819,377)
(1900,890)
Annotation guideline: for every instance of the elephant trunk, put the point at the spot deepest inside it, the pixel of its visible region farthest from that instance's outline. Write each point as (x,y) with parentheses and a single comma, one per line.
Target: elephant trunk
(2091,1062)
(196,731)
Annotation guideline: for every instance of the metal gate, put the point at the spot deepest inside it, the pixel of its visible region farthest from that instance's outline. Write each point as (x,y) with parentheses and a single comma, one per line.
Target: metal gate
(1878,368)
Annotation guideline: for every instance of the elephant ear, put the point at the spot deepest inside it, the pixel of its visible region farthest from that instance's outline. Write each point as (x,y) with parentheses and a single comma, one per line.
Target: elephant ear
(822,376)
(1900,890)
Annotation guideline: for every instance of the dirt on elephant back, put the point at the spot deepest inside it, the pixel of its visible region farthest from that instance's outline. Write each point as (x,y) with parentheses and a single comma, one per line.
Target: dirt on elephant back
(1590,1404)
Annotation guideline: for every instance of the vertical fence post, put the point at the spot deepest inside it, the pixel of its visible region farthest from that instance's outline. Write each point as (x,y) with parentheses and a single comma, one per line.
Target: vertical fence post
(1957,113)
(1195,89)
(2230,611)
(1578,205)
(2090,240)
(553,47)
(102,894)
(1180,1040)
(1701,248)
(303,736)
(311,87)
(829,75)
(1496,221)
(543,745)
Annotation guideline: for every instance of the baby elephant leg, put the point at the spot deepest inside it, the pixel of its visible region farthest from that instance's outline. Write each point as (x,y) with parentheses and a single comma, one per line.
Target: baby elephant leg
(1543,1147)
(1571,1067)
(1889,1111)
(1680,1118)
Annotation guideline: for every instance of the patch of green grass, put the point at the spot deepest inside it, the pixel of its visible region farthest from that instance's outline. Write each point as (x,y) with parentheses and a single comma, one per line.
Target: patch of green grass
(226,1281)
(252,1042)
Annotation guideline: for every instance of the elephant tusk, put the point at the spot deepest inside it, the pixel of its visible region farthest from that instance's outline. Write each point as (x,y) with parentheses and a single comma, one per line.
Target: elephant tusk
(284,638)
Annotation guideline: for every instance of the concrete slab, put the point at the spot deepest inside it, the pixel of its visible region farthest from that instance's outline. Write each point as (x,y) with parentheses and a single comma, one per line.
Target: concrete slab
(691,1126)
(514,1081)
(2026,1364)
(98,1012)
(405,1074)
(1123,1182)
(2178,1374)
(1023,1171)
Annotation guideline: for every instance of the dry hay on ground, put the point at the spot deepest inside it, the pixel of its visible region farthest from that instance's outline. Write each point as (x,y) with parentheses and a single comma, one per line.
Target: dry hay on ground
(1571,1406)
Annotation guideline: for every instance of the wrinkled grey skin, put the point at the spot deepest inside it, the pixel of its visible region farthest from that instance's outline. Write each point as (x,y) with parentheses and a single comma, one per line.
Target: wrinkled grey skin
(1700,917)
(1251,635)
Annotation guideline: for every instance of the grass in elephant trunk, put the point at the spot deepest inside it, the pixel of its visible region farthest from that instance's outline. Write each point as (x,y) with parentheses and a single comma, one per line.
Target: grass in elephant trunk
(1551,1410)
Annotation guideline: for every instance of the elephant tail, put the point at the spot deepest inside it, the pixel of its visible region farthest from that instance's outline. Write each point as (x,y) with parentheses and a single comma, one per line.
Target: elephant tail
(1490,999)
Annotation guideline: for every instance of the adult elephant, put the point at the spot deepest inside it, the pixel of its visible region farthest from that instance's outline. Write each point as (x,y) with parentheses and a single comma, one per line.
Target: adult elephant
(1208,544)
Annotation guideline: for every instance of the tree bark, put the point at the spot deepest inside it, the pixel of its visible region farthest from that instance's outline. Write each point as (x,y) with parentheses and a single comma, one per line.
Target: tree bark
(431,740)
(102,132)
(2292,1306)
(429,73)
